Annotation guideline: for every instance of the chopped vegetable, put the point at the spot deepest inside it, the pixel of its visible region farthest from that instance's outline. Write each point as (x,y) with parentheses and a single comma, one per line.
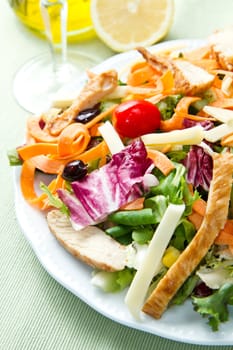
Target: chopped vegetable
(136,117)
(214,307)
(161,161)
(170,256)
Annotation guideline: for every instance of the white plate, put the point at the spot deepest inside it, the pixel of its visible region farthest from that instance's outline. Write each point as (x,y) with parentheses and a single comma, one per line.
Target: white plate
(179,323)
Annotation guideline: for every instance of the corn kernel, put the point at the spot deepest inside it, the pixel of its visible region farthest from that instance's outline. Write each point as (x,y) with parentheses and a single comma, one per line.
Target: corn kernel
(170,256)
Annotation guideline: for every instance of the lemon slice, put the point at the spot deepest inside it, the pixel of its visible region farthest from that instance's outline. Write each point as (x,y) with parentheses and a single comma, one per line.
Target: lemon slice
(125,24)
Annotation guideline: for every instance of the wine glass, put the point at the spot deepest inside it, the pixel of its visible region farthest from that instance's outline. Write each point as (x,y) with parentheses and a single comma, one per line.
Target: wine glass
(41,77)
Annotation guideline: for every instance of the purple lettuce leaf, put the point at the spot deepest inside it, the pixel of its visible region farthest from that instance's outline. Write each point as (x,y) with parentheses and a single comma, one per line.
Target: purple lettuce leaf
(105,190)
(78,214)
(206,124)
(199,167)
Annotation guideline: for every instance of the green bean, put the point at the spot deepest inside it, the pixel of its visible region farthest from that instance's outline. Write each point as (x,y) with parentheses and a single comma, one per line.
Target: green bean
(142,235)
(118,231)
(133,217)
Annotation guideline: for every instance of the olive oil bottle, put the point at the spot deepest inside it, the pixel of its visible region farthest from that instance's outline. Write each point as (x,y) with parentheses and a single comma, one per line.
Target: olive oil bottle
(79,25)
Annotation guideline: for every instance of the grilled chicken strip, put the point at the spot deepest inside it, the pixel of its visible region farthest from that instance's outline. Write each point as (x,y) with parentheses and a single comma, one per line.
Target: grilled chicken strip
(91,245)
(214,220)
(221,47)
(96,88)
(188,78)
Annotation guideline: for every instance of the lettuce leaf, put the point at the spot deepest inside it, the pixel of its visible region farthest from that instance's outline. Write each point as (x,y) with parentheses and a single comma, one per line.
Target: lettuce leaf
(167,106)
(14,158)
(54,200)
(215,306)
(175,188)
(185,291)
(183,234)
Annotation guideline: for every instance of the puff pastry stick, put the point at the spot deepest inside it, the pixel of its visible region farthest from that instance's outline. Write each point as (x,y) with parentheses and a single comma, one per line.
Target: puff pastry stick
(213,222)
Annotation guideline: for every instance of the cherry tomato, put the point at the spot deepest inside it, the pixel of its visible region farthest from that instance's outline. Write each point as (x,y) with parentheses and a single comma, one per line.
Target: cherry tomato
(136,117)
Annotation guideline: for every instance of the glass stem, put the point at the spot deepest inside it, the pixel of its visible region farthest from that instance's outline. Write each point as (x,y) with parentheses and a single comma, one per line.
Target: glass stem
(54,15)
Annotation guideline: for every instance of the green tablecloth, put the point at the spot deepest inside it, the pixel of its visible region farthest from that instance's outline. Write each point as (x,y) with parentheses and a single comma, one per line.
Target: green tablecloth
(36,312)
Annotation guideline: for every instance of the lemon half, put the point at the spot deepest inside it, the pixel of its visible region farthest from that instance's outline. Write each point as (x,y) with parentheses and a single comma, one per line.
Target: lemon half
(125,24)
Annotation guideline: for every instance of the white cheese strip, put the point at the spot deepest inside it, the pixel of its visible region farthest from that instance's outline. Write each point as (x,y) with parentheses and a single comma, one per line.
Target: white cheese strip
(151,263)
(111,138)
(124,90)
(189,136)
(63,102)
(218,132)
(221,114)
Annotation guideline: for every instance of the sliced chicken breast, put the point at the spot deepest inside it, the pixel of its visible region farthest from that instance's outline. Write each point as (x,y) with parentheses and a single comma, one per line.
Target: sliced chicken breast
(188,78)
(214,220)
(91,245)
(93,92)
(222,48)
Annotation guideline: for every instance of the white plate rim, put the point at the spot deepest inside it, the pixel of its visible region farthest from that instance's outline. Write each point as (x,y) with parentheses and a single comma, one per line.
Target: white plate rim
(180,324)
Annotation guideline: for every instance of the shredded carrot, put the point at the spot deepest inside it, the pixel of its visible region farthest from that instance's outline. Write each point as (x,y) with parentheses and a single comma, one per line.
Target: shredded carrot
(35,149)
(100,117)
(94,130)
(138,65)
(217,82)
(136,204)
(196,219)
(141,74)
(98,152)
(199,206)
(185,102)
(73,140)
(55,166)
(197,118)
(167,81)
(161,161)
(54,185)
(27,180)
(48,165)
(176,121)
(229,226)
(27,184)
(224,238)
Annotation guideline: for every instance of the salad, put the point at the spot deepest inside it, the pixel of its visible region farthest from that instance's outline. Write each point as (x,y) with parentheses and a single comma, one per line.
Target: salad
(140,178)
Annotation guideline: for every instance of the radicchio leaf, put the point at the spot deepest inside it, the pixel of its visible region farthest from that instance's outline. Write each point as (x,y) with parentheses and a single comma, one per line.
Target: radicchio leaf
(199,167)
(106,189)
(206,124)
